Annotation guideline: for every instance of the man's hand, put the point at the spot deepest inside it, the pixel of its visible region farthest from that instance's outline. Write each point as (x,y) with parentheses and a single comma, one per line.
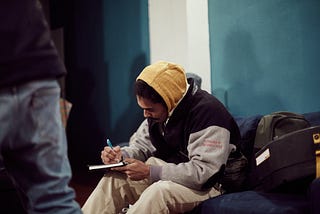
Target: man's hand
(109,155)
(135,170)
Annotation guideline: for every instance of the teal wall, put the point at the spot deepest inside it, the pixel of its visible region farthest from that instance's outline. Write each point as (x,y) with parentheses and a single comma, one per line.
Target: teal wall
(126,45)
(265,55)
(106,46)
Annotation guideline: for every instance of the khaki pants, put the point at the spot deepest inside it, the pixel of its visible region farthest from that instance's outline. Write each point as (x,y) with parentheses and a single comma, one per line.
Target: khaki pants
(115,191)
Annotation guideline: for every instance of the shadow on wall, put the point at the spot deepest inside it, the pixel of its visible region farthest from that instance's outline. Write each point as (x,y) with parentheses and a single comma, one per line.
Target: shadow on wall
(85,85)
(132,116)
(83,128)
(245,95)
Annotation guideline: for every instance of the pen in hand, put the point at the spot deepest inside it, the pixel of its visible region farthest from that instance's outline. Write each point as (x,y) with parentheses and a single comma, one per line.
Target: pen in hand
(110,145)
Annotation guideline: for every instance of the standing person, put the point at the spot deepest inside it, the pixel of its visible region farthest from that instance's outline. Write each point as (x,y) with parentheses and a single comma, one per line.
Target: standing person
(33,148)
(175,156)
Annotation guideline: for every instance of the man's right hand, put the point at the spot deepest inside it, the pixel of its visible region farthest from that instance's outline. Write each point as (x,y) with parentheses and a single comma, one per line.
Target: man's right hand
(109,155)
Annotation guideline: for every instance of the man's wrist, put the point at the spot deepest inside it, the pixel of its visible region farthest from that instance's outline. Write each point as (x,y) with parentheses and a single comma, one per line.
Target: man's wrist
(155,172)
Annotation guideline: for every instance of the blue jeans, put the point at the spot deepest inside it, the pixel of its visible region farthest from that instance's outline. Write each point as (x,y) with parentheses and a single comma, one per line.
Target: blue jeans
(33,147)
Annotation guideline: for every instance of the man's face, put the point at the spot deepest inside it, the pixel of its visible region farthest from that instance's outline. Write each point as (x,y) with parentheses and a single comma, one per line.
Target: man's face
(154,111)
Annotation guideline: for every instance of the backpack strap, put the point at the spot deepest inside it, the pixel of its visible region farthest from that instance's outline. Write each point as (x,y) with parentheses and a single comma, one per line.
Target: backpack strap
(318,163)
(316,140)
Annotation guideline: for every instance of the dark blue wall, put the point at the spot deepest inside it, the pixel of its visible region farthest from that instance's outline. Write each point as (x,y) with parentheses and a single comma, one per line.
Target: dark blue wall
(106,46)
(265,55)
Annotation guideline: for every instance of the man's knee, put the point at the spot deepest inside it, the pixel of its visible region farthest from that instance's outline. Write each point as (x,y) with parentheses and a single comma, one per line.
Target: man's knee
(160,189)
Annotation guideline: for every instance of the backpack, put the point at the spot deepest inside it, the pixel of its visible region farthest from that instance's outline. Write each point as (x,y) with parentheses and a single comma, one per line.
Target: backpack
(274,125)
(284,153)
(287,164)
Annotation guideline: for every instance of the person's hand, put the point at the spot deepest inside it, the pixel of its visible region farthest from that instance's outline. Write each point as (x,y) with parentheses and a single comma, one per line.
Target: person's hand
(109,155)
(135,169)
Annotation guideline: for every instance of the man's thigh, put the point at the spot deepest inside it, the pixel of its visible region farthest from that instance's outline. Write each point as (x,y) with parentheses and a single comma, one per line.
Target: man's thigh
(167,196)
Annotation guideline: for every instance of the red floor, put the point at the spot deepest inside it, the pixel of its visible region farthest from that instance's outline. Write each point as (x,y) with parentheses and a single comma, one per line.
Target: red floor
(83,184)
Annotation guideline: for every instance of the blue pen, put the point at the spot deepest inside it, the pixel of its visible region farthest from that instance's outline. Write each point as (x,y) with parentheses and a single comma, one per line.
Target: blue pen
(109,143)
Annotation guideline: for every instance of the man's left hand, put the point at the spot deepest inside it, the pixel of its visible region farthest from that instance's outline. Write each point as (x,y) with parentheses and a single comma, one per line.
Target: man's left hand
(135,169)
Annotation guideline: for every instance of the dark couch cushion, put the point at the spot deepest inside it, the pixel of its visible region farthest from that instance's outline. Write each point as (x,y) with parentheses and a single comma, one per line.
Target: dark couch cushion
(248,127)
(313,118)
(315,195)
(255,203)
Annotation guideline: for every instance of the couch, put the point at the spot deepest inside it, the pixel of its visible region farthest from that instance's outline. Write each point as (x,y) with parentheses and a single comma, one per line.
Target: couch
(255,202)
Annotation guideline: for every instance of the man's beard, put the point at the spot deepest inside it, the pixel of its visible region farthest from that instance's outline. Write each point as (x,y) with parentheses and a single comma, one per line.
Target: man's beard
(154,119)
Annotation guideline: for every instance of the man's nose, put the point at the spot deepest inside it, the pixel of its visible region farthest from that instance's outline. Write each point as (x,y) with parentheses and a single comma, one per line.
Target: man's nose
(146,113)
